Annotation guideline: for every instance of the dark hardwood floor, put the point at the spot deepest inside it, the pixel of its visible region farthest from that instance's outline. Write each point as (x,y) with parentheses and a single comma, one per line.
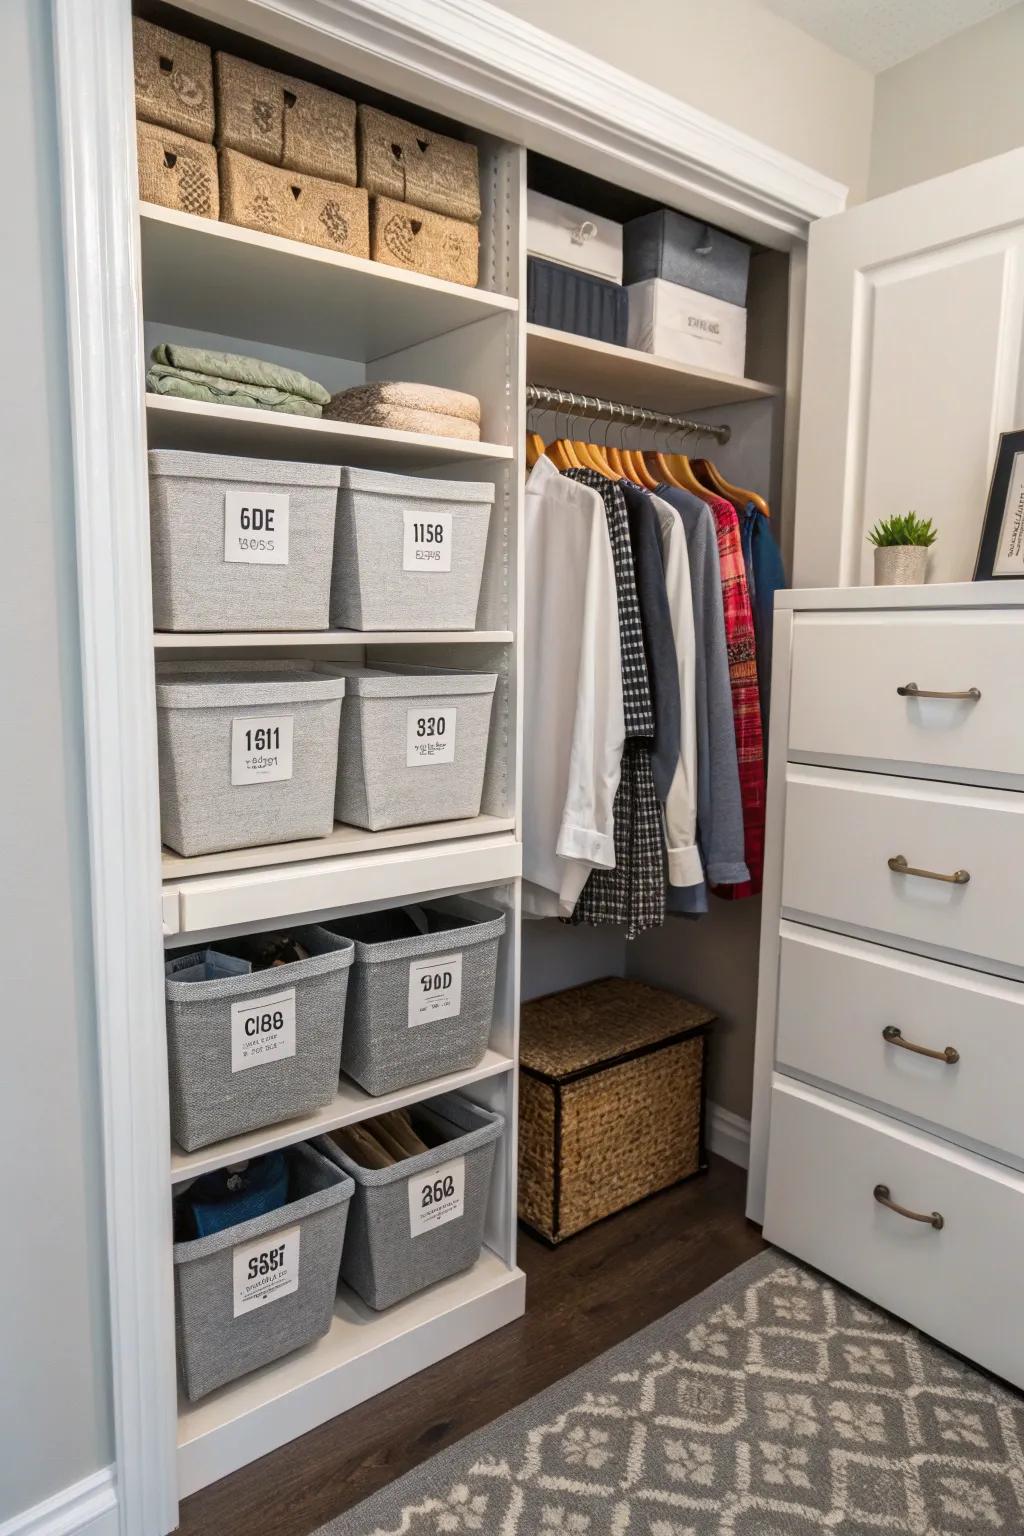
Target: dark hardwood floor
(581,1298)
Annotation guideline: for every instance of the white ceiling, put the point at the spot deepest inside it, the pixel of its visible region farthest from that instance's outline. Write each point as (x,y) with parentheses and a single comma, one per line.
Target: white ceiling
(880,33)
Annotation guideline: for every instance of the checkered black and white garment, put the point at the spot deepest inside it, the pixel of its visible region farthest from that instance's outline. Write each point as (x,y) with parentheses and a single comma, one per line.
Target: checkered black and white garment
(633,893)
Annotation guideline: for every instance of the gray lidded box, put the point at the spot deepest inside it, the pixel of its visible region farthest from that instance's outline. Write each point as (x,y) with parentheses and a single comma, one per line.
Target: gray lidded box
(413,744)
(223,1329)
(408,551)
(227,1075)
(421,1220)
(192,496)
(225,785)
(421,991)
(687,252)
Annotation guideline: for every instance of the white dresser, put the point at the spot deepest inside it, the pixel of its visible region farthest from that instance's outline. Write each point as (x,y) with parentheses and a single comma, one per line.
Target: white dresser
(887,1140)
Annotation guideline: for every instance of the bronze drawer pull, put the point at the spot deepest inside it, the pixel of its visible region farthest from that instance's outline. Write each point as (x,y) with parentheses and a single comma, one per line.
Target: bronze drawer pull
(899,866)
(912,691)
(893,1036)
(933,1218)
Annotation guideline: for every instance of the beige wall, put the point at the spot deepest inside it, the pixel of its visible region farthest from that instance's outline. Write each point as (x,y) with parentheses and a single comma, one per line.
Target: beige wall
(955,103)
(737,61)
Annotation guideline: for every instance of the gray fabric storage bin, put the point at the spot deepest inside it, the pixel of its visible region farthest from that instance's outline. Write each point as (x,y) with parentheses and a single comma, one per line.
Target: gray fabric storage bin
(204,804)
(688,252)
(193,498)
(565,299)
(216,1344)
(397,1245)
(375,582)
(401,1027)
(413,744)
(218,1086)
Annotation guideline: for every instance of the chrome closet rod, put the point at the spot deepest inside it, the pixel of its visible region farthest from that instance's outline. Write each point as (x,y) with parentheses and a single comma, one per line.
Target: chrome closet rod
(540,398)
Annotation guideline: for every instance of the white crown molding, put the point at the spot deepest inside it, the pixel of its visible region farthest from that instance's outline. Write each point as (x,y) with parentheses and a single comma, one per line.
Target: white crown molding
(728,1135)
(87,1508)
(473,60)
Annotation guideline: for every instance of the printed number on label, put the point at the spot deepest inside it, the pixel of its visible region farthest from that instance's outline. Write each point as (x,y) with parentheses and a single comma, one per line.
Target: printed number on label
(435,989)
(256,527)
(427,545)
(262,1029)
(437,1196)
(430,737)
(261,749)
(265,1270)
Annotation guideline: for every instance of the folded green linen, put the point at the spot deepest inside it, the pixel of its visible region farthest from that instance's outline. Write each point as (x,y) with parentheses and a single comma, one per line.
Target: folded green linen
(162,380)
(241,370)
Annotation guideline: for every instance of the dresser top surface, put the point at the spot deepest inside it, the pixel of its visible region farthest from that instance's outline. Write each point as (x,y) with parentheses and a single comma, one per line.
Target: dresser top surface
(954,594)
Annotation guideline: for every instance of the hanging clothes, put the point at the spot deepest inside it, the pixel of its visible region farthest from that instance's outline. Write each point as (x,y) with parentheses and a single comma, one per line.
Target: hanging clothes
(633,893)
(766,575)
(683,863)
(719,807)
(656,625)
(573,706)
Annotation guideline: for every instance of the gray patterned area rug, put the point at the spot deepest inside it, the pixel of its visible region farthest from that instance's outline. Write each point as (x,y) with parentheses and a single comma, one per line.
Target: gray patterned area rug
(773,1404)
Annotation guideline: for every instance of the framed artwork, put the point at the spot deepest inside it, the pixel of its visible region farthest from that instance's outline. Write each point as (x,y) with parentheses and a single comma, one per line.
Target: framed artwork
(1001,552)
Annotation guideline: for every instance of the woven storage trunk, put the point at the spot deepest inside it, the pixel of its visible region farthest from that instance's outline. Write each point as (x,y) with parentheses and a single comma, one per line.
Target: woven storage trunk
(421,997)
(408,552)
(611,1101)
(284,121)
(219,789)
(423,1219)
(403,235)
(229,1323)
(688,252)
(567,300)
(177,172)
(293,205)
(173,80)
(195,507)
(413,745)
(411,165)
(250,1050)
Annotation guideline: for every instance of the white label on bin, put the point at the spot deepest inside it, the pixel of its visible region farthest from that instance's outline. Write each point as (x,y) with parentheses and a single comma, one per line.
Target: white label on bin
(435,989)
(262,1029)
(256,527)
(266,1270)
(437,1196)
(428,541)
(429,737)
(261,748)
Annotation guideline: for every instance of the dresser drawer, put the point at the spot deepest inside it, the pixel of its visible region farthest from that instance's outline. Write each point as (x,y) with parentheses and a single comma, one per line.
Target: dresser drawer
(848,667)
(961,1283)
(842,828)
(838,995)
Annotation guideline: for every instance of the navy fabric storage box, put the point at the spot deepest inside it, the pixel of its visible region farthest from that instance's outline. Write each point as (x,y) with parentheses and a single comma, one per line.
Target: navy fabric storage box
(567,300)
(688,252)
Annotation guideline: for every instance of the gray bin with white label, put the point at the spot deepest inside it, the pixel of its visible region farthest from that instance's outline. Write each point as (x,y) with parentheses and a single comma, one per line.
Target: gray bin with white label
(421,991)
(217,783)
(408,551)
(196,502)
(250,1050)
(409,1226)
(413,744)
(214,1344)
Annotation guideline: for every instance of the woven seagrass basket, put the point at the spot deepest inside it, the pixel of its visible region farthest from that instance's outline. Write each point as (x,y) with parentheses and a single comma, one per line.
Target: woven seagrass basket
(173,80)
(611,1101)
(404,236)
(177,172)
(401,161)
(293,205)
(284,121)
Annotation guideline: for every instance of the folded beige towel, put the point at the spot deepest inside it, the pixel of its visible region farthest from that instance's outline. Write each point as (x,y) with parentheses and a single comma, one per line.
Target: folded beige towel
(350,404)
(400,420)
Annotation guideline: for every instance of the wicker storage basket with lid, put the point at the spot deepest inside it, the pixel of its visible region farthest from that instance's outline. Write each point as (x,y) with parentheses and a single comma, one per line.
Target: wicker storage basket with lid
(412,165)
(173,80)
(284,121)
(176,171)
(403,235)
(611,1101)
(293,206)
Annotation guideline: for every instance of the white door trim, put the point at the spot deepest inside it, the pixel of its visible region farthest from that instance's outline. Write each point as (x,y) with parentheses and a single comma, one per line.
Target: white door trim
(86,1508)
(471,60)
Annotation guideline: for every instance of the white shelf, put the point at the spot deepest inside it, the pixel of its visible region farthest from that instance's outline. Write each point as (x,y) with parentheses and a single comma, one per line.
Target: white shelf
(327,639)
(350,1104)
(207,276)
(195,425)
(343,840)
(364,1353)
(563,361)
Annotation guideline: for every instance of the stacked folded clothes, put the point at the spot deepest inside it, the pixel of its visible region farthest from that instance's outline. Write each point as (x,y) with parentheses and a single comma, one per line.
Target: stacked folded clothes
(381,1142)
(409,408)
(224,378)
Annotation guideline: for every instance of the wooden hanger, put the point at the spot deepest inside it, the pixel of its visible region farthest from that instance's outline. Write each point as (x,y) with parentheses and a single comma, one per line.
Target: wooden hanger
(663,469)
(534,448)
(686,479)
(715,480)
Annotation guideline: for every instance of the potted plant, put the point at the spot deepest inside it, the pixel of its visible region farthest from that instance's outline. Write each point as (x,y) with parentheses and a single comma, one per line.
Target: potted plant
(901,549)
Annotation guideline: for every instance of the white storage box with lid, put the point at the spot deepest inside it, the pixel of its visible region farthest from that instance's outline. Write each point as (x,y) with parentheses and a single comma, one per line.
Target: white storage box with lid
(248,755)
(687,326)
(413,744)
(240,544)
(422,991)
(408,551)
(559,232)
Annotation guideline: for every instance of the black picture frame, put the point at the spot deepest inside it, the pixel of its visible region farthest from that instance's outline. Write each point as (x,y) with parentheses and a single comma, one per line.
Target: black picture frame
(998,510)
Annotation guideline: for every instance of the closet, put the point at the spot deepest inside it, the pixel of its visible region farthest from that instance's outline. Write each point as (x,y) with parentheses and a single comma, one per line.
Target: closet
(348,321)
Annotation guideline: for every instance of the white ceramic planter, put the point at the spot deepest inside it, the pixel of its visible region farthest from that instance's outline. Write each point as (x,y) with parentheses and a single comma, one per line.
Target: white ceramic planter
(901,565)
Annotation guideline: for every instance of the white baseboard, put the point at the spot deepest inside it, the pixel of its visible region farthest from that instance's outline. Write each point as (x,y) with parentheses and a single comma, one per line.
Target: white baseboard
(87,1508)
(728,1136)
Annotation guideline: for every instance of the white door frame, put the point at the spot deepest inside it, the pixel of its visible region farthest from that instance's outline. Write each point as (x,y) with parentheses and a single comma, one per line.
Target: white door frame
(474,62)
